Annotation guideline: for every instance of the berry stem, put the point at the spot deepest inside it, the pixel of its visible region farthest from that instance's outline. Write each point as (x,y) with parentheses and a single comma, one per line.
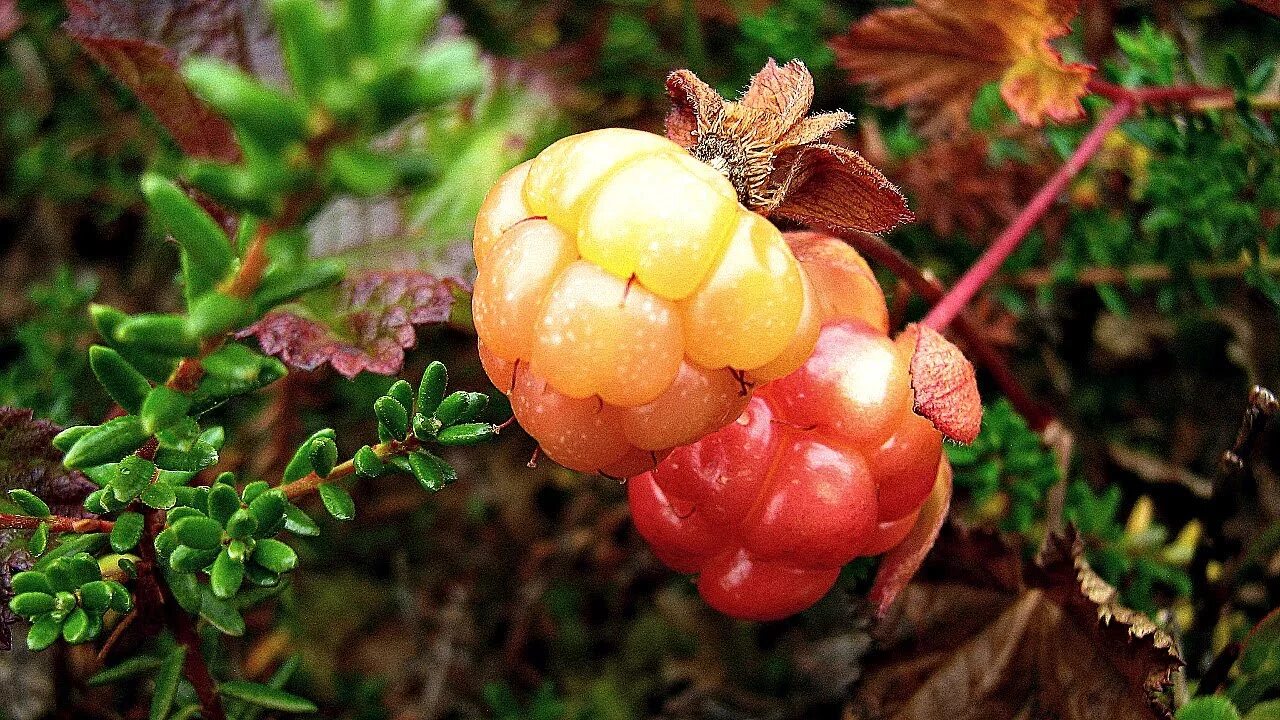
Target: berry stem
(986,266)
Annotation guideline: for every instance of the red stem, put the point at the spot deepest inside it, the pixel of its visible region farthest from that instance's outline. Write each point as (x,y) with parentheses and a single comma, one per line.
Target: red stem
(977,276)
(56,523)
(1178,94)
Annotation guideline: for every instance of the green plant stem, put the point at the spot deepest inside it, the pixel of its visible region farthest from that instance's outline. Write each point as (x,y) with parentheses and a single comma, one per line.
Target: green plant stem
(56,523)
(311,482)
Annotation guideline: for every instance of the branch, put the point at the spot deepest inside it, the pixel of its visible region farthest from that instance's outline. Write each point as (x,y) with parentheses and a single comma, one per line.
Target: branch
(56,523)
(977,276)
(874,247)
(311,482)
(1188,95)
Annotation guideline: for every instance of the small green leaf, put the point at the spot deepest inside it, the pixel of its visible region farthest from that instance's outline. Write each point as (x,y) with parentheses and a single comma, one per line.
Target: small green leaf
(29,503)
(392,416)
(268,509)
(466,434)
(122,381)
(214,313)
(163,408)
(106,443)
(367,462)
(266,696)
(133,476)
(221,614)
(124,670)
(206,250)
(226,575)
(253,490)
(275,556)
(186,590)
(223,502)
(242,524)
(452,408)
(158,333)
(43,633)
(300,465)
(200,456)
(264,114)
(88,543)
(121,600)
(431,390)
(30,581)
(127,532)
(75,629)
(167,683)
(95,596)
(65,439)
(185,558)
(83,568)
(30,604)
(402,391)
(337,501)
(201,533)
(39,540)
(430,471)
(159,495)
(476,404)
(324,455)
(1208,707)
(298,522)
(424,427)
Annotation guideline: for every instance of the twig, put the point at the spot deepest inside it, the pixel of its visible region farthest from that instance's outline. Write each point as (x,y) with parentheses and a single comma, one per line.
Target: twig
(311,482)
(981,271)
(1187,95)
(1038,417)
(56,523)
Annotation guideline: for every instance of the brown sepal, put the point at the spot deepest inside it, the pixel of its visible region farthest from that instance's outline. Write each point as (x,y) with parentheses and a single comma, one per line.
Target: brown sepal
(945,387)
(773,152)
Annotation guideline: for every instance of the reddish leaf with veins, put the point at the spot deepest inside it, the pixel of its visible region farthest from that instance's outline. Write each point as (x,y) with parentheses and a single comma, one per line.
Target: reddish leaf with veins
(946,390)
(371,320)
(936,54)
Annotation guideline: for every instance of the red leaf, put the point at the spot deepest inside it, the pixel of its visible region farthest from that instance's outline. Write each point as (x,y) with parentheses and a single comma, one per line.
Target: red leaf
(946,389)
(900,564)
(371,321)
(143,43)
(936,54)
(28,460)
(10,18)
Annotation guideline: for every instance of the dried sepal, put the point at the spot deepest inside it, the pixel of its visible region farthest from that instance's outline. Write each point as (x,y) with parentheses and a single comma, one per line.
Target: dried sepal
(773,152)
(900,564)
(945,386)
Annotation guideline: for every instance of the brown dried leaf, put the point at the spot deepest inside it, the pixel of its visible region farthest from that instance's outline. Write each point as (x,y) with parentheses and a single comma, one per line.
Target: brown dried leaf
(946,389)
(936,54)
(369,321)
(983,634)
(834,187)
(772,151)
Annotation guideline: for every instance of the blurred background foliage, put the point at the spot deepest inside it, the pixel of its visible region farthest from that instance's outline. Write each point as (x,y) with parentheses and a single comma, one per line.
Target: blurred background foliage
(1141,312)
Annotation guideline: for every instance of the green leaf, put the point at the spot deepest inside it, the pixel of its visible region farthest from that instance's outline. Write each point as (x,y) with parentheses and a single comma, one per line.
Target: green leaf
(39,540)
(424,427)
(159,495)
(186,590)
(214,313)
(1266,710)
(200,456)
(185,558)
(324,455)
(430,471)
(431,390)
(88,542)
(268,509)
(206,251)
(167,683)
(392,416)
(30,581)
(158,333)
(264,114)
(127,532)
(221,614)
(448,70)
(466,434)
(361,171)
(95,596)
(367,462)
(30,604)
(253,490)
(122,381)
(242,524)
(163,408)
(300,465)
(29,503)
(121,600)
(1208,707)
(83,568)
(452,408)
(306,44)
(124,670)
(106,443)
(337,501)
(298,522)
(282,285)
(223,502)
(402,392)
(65,439)
(226,576)
(75,629)
(266,696)
(275,556)
(278,680)
(43,633)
